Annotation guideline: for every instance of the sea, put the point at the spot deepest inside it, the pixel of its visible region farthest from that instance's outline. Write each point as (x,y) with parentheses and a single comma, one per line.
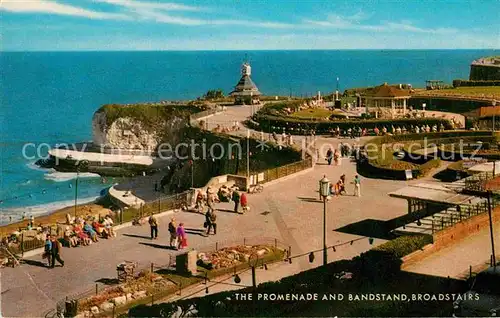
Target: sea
(48,98)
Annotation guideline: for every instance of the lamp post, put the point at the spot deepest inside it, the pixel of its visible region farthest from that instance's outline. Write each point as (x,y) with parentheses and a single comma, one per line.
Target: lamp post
(423,108)
(78,166)
(324,190)
(491,231)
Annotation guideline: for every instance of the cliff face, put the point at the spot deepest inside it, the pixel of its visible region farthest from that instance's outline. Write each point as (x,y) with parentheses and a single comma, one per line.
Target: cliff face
(134,129)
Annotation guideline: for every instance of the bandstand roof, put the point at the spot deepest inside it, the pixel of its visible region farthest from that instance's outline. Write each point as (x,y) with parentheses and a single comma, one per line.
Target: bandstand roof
(433,193)
(245,87)
(388,91)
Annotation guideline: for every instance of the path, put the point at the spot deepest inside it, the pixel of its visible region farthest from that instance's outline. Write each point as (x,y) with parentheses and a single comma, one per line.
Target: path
(294,215)
(454,261)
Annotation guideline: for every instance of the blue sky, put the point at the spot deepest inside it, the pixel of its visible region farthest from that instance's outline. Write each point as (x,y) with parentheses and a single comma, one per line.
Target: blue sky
(75,25)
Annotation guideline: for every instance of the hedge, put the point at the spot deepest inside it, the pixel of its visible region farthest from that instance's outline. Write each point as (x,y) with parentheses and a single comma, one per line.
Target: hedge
(379,266)
(384,165)
(461,83)
(298,126)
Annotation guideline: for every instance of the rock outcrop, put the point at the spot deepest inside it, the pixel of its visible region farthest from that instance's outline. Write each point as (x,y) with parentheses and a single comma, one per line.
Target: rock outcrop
(129,133)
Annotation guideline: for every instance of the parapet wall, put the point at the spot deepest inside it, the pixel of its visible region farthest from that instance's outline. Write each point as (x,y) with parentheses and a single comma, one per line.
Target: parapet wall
(484,72)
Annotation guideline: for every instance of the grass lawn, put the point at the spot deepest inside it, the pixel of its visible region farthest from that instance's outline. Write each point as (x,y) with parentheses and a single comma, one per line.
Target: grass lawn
(477,91)
(316,113)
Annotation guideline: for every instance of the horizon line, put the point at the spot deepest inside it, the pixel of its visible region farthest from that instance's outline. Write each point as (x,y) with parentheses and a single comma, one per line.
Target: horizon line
(247,50)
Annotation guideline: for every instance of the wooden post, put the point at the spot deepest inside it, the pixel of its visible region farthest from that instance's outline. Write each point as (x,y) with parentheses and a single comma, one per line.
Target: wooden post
(22,244)
(96,289)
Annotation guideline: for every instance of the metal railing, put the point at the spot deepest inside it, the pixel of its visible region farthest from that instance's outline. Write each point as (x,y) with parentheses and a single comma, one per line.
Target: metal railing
(177,287)
(453,216)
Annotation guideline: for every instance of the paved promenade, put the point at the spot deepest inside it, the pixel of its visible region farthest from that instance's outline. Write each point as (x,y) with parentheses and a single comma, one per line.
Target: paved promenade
(454,261)
(292,215)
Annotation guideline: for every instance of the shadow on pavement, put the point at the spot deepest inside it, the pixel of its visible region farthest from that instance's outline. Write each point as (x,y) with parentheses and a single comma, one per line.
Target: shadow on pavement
(34,263)
(108,281)
(309,199)
(370,228)
(165,247)
(138,236)
(196,232)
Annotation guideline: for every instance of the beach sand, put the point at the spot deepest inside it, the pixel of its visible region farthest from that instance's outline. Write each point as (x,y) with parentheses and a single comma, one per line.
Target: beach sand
(59,216)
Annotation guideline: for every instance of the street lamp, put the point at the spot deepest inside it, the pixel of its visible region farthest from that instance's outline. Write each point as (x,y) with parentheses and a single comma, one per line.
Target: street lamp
(78,164)
(423,108)
(324,191)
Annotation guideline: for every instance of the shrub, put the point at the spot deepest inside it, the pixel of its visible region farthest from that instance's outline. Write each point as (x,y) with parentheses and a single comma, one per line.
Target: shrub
(274,122)
(405,245)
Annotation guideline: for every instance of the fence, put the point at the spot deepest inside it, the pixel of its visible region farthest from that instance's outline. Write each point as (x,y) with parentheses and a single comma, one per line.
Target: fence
(452,216)
(283,171)
(164,203)
(178,285)
(205,113)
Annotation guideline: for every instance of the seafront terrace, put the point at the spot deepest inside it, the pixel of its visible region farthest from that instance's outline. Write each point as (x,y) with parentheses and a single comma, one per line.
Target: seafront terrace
(287,210)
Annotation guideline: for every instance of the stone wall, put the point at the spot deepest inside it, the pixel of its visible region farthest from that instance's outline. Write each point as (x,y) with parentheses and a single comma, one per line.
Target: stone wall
(451,235)
(484,72)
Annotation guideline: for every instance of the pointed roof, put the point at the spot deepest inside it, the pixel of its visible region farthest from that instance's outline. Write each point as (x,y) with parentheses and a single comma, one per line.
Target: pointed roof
(245,87)
(386,90)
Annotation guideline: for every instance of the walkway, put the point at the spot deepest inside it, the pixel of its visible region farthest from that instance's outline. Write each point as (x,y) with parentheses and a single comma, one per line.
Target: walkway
(286,210)
(451,261)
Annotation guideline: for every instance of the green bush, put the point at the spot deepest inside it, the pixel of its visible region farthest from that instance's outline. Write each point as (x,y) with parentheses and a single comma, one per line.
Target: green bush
(275,122)
(404,245)
(148,114)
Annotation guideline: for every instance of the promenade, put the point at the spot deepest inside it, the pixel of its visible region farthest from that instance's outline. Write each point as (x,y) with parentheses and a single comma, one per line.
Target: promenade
(286,210)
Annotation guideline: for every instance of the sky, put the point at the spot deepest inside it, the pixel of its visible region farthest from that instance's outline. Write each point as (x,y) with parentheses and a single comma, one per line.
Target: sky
(82,25)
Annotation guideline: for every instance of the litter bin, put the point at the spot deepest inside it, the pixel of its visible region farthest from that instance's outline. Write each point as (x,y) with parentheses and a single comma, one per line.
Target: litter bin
(71,308)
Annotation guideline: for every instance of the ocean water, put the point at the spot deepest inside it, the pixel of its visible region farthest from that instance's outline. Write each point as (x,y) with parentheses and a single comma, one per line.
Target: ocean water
(49,97)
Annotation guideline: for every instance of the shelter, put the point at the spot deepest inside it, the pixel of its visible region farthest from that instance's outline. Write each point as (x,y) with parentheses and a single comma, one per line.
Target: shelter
(386,101)
(246,92)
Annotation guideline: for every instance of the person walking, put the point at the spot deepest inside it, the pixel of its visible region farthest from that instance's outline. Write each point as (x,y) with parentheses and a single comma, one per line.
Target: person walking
(211,221)
(329,156)
(172,229)
(181,236)
(48,251)
(56,252)
(236,199)
(244,202)
(153,224)
(336,157)
(357,186)
(342,184)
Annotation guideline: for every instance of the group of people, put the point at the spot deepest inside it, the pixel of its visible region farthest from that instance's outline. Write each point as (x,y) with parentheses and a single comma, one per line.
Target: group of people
(351,132)
(85,232)
(339,188)
(283,140)
(225,129)
(224,194)
(178,236)
(52,251)
(412,129)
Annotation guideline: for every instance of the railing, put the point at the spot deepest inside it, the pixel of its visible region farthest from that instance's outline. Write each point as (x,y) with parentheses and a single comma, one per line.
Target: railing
(165,203)
(453,216)
(205,113)
(177,287)
(478,181)
(283,171)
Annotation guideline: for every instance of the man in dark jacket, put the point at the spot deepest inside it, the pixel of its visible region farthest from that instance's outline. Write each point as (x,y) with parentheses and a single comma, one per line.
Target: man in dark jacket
(236,199)
(211,220)
(56,252)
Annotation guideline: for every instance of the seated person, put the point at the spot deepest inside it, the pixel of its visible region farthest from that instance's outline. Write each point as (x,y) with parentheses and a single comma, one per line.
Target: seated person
(108,224)
(70,239)
(89,230)
(82,237)
(224,194)
(100,229)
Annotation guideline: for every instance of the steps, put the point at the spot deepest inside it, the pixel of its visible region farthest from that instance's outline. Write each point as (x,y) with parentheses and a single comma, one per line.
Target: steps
(425,225)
